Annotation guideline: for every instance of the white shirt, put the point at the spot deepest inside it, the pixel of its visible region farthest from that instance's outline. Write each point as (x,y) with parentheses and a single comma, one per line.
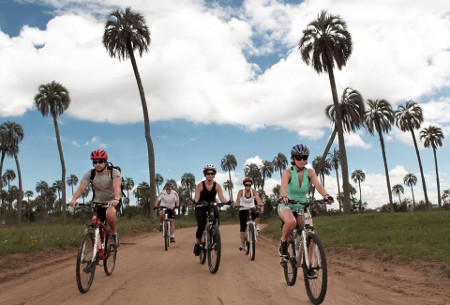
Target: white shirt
(168,200)
(247,203)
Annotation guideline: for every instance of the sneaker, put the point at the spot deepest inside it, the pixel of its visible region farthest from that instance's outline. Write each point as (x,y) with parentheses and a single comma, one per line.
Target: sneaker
(160,227)
(312,274)
(196,250)
(242,247)
(283,248)
(257,228)
(172,239)
(116,240)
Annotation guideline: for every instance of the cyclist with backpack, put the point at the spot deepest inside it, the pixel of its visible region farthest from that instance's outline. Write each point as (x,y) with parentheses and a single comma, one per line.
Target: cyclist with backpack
(168,199)
(294,185)
(105,180)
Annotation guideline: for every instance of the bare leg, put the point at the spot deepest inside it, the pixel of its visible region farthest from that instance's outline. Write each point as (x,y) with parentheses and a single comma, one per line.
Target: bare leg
(112,219)
(289,222)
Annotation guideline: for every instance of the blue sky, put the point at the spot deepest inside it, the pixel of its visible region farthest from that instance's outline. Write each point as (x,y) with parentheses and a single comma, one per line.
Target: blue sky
(221,77)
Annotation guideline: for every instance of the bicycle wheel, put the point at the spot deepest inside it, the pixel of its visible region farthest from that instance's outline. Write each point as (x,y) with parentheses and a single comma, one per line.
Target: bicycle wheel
(290,265)
(252,241)
(214,249)
(85,269)
(166,235)
(202,254)
(247,244)
(109,262)
(316,277)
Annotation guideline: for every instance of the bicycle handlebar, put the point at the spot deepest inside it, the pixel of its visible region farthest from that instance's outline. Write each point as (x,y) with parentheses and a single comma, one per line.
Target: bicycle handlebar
(94,204)
(204,204)
(307,203)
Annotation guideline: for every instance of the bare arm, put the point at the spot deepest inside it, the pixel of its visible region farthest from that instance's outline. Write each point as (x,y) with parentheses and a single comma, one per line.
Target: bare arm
(238,199)
(284,183)
(220,193)
(315,180)
(258,199)
(117,192)
(198,190)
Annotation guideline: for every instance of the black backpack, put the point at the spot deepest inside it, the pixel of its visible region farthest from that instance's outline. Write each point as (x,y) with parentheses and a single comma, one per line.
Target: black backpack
(109,167)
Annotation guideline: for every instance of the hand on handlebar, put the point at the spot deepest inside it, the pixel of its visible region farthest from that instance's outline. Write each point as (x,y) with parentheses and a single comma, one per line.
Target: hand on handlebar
(284,199)
(329,199)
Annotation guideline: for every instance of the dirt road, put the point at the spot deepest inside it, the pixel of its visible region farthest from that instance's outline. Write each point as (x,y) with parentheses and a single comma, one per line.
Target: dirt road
(146,274)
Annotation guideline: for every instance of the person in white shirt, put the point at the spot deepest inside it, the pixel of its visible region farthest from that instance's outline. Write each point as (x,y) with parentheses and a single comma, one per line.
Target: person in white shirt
(168,199)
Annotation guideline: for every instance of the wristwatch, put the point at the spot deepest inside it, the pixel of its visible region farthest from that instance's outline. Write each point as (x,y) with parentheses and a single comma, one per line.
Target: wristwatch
(118,199)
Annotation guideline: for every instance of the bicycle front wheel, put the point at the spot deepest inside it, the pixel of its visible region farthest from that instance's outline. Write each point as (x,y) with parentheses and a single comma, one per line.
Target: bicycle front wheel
(290,265)
(166,235)
(109,262)
(252,241)
(202,254)
(85,269)
(214,249)
(316,276)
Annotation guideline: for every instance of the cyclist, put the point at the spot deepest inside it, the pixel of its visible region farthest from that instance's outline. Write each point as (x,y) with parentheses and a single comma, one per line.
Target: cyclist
(206,190)
(168,199)
(107,190)
(294,185)
(245,201)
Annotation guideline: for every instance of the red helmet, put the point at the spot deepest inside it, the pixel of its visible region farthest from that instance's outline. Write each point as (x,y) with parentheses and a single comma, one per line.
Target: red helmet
(169,185)
(248,179)
(99,154)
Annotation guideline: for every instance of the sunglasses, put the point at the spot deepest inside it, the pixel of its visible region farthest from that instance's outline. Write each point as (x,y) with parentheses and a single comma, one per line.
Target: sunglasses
(210,174)
(298,158)
(247,184)
(98,161)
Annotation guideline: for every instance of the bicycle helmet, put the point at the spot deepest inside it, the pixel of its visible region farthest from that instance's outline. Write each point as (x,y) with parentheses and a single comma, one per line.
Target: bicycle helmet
(210,167)
(247,179)
(99,154)
(299,150)
(169,185)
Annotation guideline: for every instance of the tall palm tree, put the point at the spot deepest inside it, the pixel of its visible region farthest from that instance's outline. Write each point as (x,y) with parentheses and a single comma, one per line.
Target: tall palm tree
(228,185)
(410,180)
(3,149)
(228,163)
(53,98)
(126,32)
(445,196)
(397,190)
(86,192)
(359,176)
(28,194)
(335,161)
(12,135)
(321,168)
(408,118)
(72,181)
(129,184)
(252,171)
(188,182)
(57,186)
(142,193)
(279,163)
(379,118)
(43,188)
(7,178)
(432,137)
(159,181)
(266,172)
(326,43)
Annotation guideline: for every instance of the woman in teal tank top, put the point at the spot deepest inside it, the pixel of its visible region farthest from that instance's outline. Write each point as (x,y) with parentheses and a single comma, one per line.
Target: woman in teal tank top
(294,185)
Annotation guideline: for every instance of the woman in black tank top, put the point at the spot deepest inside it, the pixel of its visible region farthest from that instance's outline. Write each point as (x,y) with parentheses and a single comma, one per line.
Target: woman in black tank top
(206,190)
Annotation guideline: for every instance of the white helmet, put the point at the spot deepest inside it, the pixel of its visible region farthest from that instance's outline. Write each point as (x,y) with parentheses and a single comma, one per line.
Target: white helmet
(209,167)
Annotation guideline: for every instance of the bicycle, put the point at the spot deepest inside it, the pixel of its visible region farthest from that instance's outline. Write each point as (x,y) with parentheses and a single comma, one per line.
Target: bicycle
(251,235)
(166,228)
(306,250)
(96,244)
(210,243)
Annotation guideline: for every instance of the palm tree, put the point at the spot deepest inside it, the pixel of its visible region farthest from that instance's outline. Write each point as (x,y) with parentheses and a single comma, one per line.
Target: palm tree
(129,184)
(266,172)
(445,196)
(86,192)
(279,163)
(228,163)
(42,188)
(53,98)
(410,180)
(432,137)
(379,118)
(322,168)
(72,181)
(159,180)
(326,43)
(408,118)
(7,178)
(252,171)
(228,185)
(397,190)
(126,32)
(57,186)
(188,182)
(12,135)
(142,194)
(359,176)
(335,160)
(28,194)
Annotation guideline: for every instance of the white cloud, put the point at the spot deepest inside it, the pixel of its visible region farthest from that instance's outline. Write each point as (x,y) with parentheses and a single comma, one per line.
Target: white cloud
(354,140)
(95,141)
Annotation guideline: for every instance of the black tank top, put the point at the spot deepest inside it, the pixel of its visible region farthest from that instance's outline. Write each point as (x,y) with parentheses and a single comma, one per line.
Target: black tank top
(208,196)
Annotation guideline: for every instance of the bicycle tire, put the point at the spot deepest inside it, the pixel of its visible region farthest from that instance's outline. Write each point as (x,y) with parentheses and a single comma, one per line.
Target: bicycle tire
(290,265)
(316,287)
(247,244)
(166,236)
(214,249)
(202,254)
(85,269)
(252,241)
(109,262)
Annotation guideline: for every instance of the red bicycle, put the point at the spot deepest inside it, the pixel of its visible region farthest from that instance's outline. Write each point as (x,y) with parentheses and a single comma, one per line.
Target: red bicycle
(96,245)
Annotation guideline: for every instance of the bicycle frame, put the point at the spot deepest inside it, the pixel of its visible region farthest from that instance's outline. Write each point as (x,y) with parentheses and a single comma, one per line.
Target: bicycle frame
(100,233)
(251,222)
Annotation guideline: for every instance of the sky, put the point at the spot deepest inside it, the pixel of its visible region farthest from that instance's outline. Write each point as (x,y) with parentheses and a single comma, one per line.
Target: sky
(222,77)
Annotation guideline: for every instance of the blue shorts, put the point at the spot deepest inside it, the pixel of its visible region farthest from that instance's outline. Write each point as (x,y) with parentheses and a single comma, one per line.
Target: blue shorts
(298,208)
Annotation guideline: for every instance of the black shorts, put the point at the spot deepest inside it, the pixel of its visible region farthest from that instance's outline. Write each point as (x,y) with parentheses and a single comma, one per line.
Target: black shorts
(243,218)
(171,212)
(101,212)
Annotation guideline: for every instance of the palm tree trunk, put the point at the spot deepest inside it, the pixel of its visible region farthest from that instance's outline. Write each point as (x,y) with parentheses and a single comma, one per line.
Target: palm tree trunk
(386,172)
(360,197)
(339,188)
(437,178)
(327,149)
(20,196)
(150,148)
(63,169)
(340,132)
(414,201)
(421,169)
(231,186)
(1,169)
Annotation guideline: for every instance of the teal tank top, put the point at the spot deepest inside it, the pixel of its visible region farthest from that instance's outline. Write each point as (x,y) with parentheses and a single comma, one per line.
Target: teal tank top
(294,191)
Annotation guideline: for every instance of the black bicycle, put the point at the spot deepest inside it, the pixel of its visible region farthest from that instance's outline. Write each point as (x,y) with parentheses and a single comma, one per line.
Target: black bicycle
(210,244)
(166,228)
(306,250)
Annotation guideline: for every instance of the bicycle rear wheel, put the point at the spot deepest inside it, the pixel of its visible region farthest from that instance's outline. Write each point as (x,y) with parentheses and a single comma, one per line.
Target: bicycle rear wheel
(316,277)
(290,265)
(109,262)
(85,269)
(202,254)
(166,235)
(252,241)
(214,249)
